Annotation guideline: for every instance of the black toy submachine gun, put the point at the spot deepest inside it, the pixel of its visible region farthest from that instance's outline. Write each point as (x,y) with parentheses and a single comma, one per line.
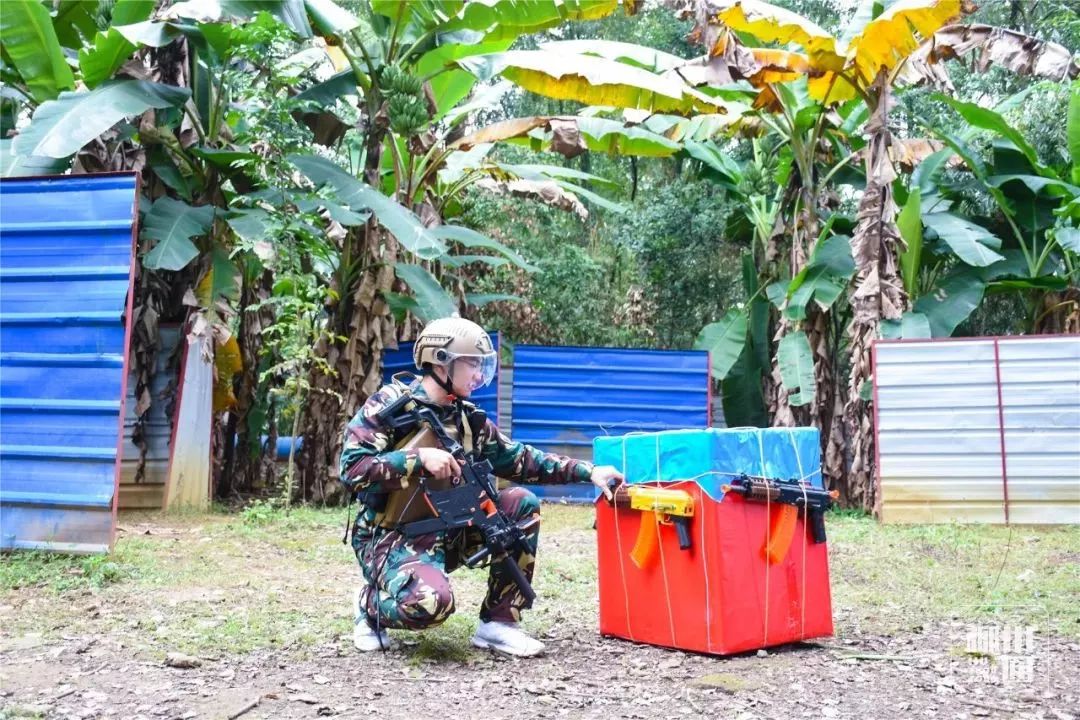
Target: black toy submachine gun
(792,498)
(470,501)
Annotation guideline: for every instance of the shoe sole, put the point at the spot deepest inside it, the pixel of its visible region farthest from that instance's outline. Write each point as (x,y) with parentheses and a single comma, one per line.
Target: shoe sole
(488,645)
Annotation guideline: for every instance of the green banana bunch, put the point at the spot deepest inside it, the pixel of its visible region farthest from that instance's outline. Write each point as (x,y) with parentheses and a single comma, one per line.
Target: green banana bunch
(406,104)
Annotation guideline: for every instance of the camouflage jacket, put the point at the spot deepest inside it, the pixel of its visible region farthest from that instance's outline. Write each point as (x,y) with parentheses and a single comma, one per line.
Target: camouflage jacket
(370,462)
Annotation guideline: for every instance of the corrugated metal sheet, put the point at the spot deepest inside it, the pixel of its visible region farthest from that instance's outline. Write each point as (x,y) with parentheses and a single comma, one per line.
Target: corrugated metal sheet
(563,397)
(188,482)
(979,430)
(506,393)
(395,361)
(65,268)
(148,494)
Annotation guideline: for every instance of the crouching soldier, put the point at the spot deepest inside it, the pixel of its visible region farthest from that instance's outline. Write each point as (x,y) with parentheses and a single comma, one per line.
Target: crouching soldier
(406,577)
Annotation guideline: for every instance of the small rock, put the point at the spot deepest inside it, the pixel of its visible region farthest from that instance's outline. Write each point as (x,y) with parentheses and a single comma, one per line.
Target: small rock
(325,710)
(180,660)
(306,699)
(321,679)
(762,652)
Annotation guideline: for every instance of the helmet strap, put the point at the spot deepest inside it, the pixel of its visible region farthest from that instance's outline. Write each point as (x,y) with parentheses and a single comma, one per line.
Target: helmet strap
(448,383)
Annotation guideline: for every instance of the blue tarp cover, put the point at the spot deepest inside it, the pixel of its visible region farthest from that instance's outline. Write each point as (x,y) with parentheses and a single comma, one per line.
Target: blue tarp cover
(713,456)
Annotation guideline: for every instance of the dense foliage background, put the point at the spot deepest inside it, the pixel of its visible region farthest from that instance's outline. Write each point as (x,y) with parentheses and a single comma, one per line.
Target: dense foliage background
(781,185)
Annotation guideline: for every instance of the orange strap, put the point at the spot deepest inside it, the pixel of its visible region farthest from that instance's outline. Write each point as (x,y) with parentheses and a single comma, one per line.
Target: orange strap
(782,523)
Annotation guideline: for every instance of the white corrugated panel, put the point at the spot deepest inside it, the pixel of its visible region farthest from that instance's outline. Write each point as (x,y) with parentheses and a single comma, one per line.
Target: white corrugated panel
(506,392)
(1040,392)
(940,433)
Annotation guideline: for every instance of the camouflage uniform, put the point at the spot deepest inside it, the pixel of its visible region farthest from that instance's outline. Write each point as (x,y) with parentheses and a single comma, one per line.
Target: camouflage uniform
(407,582)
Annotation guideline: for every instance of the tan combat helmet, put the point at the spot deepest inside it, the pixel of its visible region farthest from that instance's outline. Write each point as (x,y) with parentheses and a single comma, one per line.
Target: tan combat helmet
(445,340)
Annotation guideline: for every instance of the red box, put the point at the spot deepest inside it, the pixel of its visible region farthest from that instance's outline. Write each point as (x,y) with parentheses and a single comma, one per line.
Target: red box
(721,596)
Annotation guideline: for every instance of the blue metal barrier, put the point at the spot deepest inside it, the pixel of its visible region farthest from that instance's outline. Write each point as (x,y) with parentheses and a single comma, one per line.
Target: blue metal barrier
(66,246)
(563,397)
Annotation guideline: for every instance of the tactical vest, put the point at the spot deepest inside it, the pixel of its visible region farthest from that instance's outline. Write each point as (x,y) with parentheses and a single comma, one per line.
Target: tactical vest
(409,503)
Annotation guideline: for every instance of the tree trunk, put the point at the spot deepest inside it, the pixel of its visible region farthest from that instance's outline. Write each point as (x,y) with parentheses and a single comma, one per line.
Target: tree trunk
(834,442)
(803,233)
(1058,313)
(360,326)
(151,294)
(245,472)
(879,294)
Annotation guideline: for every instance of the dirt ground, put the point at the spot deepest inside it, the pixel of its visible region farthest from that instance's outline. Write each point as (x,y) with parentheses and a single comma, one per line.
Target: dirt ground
(83,651)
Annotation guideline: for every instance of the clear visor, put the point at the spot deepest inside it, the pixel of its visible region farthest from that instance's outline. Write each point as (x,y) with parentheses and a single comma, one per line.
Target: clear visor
(476,370)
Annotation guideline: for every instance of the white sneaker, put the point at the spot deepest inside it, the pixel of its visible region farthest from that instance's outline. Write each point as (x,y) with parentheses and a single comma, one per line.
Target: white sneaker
(507,638)
(364,636)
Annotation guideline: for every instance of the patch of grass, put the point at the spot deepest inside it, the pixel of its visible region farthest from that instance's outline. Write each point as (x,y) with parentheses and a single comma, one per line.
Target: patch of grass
(726,682)
(896,576)
(261,513)
(21,711)
(61,573)
(558,517)
(447,643)
(243,629)
(266,520)
(837,513)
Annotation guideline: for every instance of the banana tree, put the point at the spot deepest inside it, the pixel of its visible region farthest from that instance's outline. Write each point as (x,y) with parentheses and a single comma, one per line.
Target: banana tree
(412,97)
(1026,245)
(815,145)
(152,96)
(212,197)
(864,63)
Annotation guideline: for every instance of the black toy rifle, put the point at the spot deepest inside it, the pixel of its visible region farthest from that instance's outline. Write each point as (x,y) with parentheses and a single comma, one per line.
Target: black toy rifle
(470,503)
(810,500)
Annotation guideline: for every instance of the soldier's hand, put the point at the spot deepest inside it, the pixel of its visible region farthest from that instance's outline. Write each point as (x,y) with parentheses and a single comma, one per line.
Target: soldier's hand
(439,463)
(602,477)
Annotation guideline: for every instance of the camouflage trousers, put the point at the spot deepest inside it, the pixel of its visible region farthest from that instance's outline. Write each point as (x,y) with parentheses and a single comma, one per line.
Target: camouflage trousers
(407,582)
